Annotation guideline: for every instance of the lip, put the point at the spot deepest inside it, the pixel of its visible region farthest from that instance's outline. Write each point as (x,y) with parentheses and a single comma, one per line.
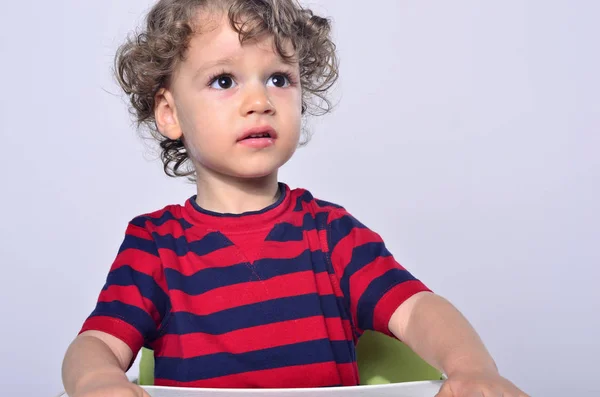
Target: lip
(258,130)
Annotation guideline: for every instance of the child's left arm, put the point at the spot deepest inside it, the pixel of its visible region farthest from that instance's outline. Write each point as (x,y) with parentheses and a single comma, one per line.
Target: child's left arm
(441,335)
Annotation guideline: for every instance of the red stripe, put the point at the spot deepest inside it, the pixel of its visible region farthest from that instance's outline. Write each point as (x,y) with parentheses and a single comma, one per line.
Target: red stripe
(248,293)
(349,374)
(139,260)
(324,240)
(250,339)
(336,213)
(133,230)
(291,249)
(117,328)
(144,263)
(311,375)
(191,263)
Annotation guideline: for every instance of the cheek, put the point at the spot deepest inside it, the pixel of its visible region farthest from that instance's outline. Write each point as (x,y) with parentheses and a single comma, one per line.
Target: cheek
(290,104)
(204,123)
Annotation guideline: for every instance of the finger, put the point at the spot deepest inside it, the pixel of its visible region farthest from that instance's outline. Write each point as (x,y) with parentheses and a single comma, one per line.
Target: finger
(445,391)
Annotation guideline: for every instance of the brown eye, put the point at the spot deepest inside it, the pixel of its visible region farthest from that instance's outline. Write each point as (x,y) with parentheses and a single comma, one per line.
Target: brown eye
(222,82)
(279,80)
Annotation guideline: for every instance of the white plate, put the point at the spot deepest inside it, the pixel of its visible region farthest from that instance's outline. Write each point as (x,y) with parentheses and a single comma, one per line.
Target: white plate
(408,389)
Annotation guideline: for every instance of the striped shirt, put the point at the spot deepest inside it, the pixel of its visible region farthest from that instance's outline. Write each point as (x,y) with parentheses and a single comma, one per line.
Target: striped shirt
(274,298)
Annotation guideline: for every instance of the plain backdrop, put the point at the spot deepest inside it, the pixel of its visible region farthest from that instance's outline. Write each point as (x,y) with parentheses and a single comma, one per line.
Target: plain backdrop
(467,133)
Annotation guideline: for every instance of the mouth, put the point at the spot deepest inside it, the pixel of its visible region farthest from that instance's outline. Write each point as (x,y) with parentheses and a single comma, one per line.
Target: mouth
(258,133)
(253,136)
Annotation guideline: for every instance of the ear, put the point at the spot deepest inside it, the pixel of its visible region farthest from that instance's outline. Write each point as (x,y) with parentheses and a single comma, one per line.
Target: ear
(165,115)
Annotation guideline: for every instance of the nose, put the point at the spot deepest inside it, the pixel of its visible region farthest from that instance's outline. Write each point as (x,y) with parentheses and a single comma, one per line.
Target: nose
(256,101)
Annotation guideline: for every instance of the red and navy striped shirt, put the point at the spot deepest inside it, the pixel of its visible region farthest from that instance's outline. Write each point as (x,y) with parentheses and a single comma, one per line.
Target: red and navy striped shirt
(274,298)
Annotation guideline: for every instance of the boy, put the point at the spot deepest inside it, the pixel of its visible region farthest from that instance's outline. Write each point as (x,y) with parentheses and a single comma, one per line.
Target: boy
(250,283)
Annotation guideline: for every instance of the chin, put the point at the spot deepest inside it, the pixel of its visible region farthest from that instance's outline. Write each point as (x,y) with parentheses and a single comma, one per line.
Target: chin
(250,168)
(254,174)
(261,168)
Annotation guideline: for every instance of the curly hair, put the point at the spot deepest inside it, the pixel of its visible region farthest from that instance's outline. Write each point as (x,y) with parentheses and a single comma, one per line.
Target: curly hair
(146,61)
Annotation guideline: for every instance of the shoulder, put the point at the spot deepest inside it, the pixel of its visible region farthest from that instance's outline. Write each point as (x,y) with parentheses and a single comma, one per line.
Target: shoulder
(169,216)
(303,200)
(340,222)
(146,232)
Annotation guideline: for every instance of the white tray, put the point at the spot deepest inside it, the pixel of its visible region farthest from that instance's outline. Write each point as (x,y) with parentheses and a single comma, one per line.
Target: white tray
(408,389)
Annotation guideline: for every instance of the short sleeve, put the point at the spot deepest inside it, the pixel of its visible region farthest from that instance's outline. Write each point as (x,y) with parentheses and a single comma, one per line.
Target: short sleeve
(373,283)
(133,302)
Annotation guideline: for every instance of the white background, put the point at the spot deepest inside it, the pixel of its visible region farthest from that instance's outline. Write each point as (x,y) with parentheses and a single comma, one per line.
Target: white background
(467,134)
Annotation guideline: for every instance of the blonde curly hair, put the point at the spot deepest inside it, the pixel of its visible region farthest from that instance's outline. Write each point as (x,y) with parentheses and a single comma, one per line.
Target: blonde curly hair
(146,61)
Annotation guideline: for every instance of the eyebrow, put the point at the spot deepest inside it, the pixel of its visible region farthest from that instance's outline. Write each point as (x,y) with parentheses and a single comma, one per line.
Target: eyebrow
(229,60)
(209,65)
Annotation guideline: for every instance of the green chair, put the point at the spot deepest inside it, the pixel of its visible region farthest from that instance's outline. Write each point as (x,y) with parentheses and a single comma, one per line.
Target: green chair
(381,359)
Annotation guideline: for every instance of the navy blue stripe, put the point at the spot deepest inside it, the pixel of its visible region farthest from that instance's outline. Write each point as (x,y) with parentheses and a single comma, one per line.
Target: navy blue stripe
(207,244)
(149,289)
(138,243)
(133,315)
(361,256)
(139,221)
(306,197)
(342,227)
(284,232)
(166,216)
(261,313)
(262,269)
(376,289)
(223,364)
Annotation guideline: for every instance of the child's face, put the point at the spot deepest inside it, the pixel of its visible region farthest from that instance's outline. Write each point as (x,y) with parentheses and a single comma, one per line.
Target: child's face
(224,91)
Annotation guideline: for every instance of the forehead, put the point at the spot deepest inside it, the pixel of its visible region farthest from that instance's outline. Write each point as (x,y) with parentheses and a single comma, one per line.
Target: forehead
(216,39)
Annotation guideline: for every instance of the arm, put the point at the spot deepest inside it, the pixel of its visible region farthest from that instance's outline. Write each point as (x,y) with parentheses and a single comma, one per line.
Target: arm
(96,363)
(384,296)
(129,310)
(439,333)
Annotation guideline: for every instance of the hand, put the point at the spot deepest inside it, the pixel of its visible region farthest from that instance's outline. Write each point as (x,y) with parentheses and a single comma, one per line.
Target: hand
(479,385)
(120,388)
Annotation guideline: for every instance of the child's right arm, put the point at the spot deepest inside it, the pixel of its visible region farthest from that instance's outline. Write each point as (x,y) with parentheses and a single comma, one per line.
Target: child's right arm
(129,311)
(95,365)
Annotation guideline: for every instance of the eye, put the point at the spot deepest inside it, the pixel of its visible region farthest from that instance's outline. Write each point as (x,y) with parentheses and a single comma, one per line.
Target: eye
(279,80)
(222,82)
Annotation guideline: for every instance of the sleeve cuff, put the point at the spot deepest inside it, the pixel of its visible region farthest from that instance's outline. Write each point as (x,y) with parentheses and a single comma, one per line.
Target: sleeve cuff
(391,300)
(117,328)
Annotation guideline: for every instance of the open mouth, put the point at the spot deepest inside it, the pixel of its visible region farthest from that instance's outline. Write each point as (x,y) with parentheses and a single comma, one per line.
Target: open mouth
(258,136)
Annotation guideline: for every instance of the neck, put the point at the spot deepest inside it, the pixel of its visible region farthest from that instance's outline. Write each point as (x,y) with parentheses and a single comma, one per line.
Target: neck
(223,194)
